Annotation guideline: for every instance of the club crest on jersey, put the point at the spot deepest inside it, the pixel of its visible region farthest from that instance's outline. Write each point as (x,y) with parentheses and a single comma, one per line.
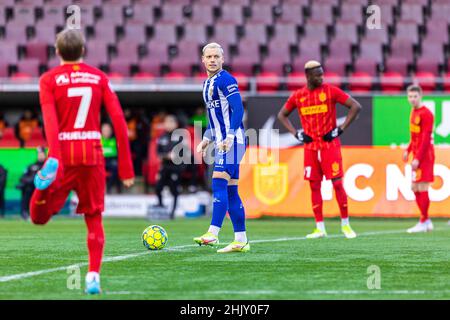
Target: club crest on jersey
(322,97)
(335,168)
(417,120)
(302,99)
(270,182)
(62,79)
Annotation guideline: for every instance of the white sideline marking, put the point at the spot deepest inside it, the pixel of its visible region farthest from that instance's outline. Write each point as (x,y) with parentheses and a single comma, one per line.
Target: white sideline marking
(178,248)
(321,292)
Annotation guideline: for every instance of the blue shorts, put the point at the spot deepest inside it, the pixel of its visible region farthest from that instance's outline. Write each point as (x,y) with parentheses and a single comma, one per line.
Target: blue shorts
(229,162)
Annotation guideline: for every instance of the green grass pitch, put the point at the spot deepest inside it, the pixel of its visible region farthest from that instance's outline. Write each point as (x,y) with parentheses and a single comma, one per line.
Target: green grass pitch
(280,265)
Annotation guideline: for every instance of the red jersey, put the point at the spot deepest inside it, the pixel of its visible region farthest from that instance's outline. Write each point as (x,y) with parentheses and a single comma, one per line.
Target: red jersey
(71,98)
(421,127)
(317,111)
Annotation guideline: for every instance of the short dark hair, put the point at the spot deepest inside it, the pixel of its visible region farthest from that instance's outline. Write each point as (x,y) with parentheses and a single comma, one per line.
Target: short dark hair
(70,44)
(414,87)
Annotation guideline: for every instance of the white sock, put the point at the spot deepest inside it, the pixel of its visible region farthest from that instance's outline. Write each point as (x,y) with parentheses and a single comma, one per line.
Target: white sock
(240,236)
(90,276)
(345,222)
(214,230)
(321,226)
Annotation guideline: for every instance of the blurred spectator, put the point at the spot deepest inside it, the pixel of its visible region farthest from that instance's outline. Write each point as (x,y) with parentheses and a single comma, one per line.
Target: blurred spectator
(109,144)
(169,174)
(3,177)
(157,123)
(25,126)
(26,183)
(138,137)
(200,116)
(3,124)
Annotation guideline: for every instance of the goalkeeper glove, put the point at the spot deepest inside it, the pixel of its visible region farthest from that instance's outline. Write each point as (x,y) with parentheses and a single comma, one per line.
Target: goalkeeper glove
(336,132)
(303,137)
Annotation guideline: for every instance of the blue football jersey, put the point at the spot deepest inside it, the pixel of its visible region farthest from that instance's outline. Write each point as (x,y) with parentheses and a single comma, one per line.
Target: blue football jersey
(216,91)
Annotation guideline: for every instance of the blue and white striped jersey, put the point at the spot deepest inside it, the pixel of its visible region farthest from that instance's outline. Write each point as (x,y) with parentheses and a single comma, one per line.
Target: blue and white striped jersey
(217,93)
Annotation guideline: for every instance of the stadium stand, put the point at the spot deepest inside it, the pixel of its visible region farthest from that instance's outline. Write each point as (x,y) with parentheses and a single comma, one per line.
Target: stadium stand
(132,37)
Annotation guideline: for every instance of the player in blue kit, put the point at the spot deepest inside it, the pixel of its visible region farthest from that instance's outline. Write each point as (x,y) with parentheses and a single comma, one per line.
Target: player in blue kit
(225,129)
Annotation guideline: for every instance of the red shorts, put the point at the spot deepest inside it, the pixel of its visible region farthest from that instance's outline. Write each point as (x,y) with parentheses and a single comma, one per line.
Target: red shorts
(89,184)
(325,162)
(425,172)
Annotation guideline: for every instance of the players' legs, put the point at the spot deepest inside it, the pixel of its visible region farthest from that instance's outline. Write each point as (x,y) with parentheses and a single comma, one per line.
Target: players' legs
(174,180)
(95,241)
(420,190)
(317,203)
(46,203)
(162,182)
(236,211)
(341,197)
(313,173)
(220,200)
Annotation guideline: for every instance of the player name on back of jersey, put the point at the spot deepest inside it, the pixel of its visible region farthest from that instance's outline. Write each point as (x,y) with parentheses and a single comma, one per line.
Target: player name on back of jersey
(77,77)
(79,135)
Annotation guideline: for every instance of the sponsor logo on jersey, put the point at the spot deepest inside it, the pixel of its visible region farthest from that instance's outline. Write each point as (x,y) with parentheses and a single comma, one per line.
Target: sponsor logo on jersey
(213,104)
(232,87)
(320,108)
(414,128)
(62,79)
(302,99)
(84,77)
(79,135)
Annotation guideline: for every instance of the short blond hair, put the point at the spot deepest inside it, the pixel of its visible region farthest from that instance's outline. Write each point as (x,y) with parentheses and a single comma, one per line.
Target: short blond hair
(212,45)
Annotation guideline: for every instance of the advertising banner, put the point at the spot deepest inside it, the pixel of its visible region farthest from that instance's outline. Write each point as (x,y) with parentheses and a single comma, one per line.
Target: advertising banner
(377,181)
(262,115)
(391,119)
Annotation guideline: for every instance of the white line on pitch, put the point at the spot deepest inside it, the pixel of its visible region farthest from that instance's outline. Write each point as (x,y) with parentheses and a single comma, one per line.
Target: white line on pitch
(176,248)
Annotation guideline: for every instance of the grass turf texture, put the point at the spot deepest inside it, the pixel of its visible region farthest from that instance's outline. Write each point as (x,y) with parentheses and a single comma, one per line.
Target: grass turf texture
(412,266)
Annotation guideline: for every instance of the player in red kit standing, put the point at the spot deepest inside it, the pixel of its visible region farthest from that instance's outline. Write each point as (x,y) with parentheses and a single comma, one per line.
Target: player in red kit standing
(71,96)
(316,104)
(421,147)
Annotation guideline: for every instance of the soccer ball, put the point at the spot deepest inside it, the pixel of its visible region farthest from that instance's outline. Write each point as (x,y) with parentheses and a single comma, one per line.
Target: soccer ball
(154,237)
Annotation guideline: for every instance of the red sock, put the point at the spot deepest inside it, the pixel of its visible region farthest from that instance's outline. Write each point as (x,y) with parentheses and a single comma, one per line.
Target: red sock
(40,212)
(316,198)
(341,197)
(423,201)
(95,240)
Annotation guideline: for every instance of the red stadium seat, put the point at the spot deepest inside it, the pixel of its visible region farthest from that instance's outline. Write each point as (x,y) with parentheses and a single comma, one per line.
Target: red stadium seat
(291,14)
(244,64)
(143,13)
(426,80)
(446,82)
(336,64)
(29,66)
(261,13)
(115,77)
(175,77)
(120,66)
(232,13)
(398,64)
(36,139)
(296,80)
(352,12)
(316,31)
(135,32)
(346,31)
(143,76)
(195,33)
(360,82)
(286,32)
(172,13)
(202,14)
(391,82)
(367,65)
(412,12)
(242,81)
(9,139)
(256,32)
(38,50)
(267,82)
(322,13)
(332,78)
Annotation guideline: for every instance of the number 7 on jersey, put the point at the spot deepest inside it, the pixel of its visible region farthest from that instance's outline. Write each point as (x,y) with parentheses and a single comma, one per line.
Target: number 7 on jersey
(86,96)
